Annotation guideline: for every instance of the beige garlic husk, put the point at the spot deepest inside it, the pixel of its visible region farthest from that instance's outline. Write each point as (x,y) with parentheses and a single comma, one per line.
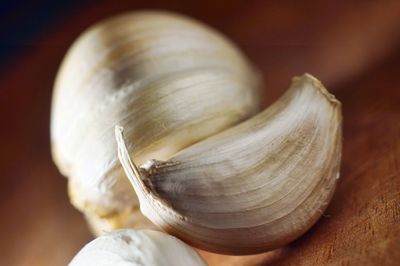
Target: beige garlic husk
(137,248)
(169,80)
(254,187)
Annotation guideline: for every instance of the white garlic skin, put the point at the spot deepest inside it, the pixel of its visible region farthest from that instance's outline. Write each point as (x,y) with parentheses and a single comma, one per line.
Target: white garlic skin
(169,80)
(137,248)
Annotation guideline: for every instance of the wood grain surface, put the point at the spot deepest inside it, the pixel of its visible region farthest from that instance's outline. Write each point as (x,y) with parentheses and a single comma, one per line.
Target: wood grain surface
(354,48)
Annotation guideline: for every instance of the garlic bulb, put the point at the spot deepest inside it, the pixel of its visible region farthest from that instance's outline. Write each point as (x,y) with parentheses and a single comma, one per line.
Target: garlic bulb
(253,187)
(168,80)
(137,248)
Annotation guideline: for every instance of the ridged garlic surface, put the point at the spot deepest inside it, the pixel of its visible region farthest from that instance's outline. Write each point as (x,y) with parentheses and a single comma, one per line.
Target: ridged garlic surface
(137,248)
(254,187)
(169,80)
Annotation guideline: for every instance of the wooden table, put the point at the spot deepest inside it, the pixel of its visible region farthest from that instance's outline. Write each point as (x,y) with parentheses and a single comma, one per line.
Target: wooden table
(353,48)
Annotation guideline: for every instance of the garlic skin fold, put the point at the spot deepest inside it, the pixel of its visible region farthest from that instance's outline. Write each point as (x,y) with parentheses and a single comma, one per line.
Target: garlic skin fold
(254,187)
(169,80)
(137,248)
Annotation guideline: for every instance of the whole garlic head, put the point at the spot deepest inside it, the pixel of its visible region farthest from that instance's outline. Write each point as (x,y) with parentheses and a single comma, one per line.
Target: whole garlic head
(170,81)
(180,93)
(137,248)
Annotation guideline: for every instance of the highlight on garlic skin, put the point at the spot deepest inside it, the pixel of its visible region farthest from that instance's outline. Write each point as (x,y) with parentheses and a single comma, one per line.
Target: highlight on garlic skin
(135,248)
(254,187)
(169,80)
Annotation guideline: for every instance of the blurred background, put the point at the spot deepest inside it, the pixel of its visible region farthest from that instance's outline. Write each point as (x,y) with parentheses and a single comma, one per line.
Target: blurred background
(353,47)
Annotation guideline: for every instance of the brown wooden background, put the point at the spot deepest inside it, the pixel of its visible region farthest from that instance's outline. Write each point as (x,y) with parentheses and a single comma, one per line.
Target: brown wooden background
(352,46)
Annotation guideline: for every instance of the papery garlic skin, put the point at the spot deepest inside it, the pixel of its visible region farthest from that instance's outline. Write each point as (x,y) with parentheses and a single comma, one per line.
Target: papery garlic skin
(169,80)
(254,187)
(137,248)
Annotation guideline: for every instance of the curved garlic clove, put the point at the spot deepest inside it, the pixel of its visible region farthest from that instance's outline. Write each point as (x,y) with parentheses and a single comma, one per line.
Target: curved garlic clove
(137,247)
(169,80)
(251,188)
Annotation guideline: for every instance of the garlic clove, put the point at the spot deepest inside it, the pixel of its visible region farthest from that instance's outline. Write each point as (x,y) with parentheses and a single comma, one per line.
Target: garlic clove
(254,187)
(169,80)
(136,248)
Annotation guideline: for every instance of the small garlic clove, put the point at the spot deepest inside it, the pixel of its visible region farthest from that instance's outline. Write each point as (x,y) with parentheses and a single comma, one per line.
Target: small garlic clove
(137,248)
(169,80)
(254,187)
